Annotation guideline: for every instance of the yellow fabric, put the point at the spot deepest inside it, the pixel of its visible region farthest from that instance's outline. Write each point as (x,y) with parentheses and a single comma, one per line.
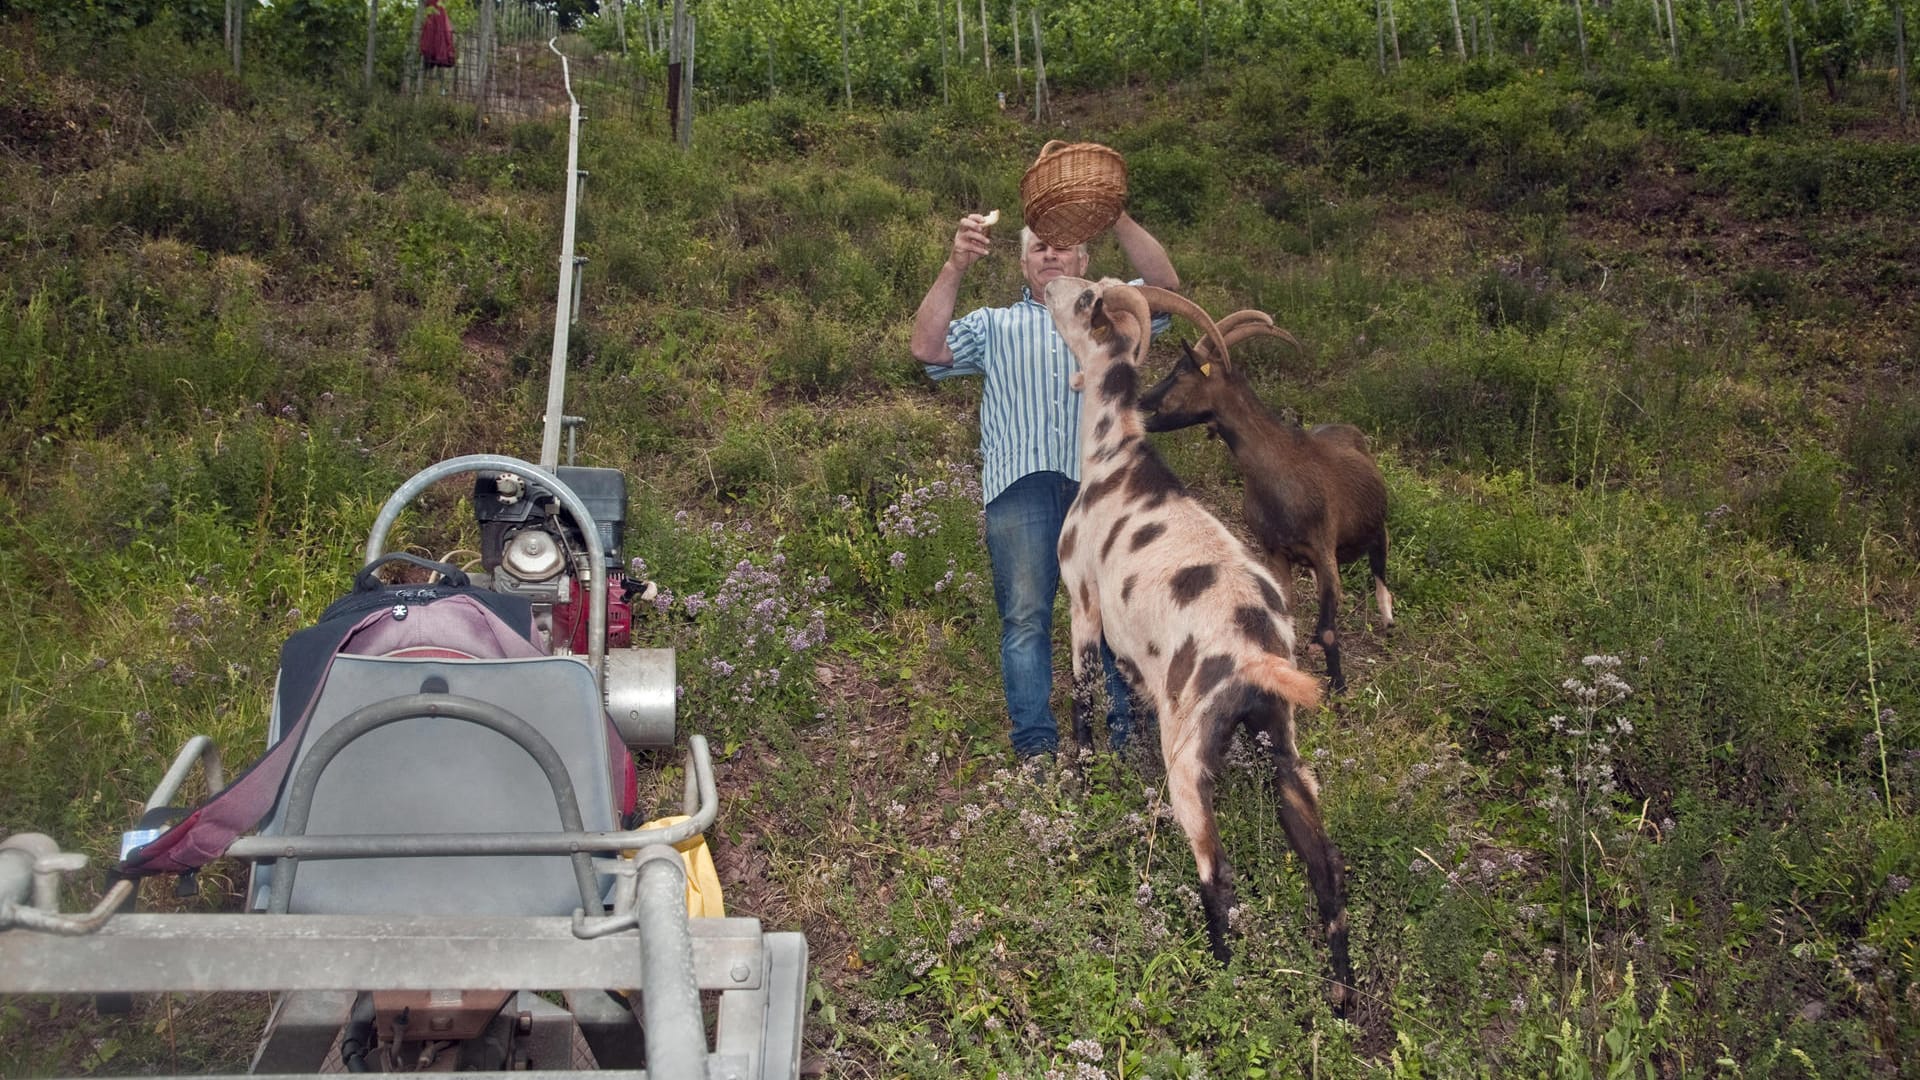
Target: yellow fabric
(703,880)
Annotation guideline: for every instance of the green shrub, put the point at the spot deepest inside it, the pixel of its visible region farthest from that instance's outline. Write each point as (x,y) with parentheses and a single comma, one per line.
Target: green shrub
(485,261)
(1804,505)
(903,132)
(772,128)
(1774,177)
(744,464)
(280,477)
(1384,136)
(1171,185)
(811,354)
(1880,445)
(1658,94)
(231,186)
(1493,402)
(1511,294)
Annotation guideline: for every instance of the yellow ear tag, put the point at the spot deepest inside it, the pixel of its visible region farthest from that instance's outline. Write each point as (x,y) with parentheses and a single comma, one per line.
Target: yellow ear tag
(1206,369)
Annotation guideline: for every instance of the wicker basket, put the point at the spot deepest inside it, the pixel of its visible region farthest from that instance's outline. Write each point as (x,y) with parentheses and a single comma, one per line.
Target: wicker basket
(1073,192)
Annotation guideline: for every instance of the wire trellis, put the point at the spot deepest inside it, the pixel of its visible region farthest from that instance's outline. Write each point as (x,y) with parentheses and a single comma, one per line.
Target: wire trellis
(515,76)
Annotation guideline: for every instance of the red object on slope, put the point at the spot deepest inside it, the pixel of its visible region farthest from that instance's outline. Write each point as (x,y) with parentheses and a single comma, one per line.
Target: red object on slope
(436,37)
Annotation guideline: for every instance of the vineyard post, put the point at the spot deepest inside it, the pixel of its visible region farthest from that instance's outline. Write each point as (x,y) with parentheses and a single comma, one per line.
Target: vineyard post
(1013,25)
(1459,41)
(1040,102)
(986,43)
(939,26)
(1900,56)
(1793,62)
(619,23)
(686,89)
(1673,34)
(1580,29)
(960,28)
(676,68)
(1380,34)
(1393,33)
(412,61)
(846,65)
(1488,7)
(237,22)
(773,89)
(484,56)
(373,20)
(1206,40)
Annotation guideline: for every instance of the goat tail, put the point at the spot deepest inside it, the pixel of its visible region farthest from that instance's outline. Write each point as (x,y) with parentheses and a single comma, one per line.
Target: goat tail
(1277,675)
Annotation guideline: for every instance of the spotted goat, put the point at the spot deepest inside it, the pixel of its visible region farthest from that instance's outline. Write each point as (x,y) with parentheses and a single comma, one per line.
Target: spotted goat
(1196,622)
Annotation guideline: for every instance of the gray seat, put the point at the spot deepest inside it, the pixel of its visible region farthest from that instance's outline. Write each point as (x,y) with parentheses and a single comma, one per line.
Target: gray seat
(435,774)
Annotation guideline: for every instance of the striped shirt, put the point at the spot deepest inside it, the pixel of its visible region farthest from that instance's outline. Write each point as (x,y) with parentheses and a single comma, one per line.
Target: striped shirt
(1029,415)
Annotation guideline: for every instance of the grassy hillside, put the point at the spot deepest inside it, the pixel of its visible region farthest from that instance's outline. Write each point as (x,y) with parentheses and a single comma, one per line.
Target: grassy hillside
(1628,791)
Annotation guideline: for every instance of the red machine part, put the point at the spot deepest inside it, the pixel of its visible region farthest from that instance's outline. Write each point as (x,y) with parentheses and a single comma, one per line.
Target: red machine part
(570,623)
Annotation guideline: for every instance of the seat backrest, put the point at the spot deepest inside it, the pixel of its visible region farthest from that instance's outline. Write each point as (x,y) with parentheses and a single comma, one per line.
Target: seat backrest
(436,774)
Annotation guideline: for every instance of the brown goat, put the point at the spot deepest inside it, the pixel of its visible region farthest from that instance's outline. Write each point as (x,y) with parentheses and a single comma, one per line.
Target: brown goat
(1196,622)
(1313,497)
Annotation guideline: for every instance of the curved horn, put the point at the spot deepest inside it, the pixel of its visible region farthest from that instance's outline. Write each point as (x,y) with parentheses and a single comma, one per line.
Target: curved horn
(1128,300)
(1248,323)
(1162,300)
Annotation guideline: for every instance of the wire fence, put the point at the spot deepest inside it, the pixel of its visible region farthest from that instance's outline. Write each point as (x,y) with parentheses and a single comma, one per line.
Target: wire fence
(512,74)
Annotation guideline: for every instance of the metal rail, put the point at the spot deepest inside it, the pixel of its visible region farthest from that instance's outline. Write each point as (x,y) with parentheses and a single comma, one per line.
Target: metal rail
(564,299)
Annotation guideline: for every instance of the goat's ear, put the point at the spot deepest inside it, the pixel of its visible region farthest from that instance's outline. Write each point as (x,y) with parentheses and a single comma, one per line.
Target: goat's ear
(1193,358)
(1099,323)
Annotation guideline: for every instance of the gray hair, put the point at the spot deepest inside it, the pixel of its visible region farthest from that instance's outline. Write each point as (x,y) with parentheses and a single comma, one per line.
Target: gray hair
(1027,238)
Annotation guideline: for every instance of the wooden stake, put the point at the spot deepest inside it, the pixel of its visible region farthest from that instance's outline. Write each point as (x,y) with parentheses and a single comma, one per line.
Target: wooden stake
(846,65)
(1013,23)
(1793,62)
(1380,34)
(986,48)
(1900,56)
(1040,103)
(373,20)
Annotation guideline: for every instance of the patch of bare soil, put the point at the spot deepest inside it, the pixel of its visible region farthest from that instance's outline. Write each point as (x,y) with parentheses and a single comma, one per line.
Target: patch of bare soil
(1663,217)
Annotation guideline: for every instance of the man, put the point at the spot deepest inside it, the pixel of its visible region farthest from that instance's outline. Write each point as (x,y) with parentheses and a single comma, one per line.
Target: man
(1030,443)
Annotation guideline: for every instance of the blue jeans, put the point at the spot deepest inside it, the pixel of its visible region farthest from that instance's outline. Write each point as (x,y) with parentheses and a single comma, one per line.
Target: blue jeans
(1023,541)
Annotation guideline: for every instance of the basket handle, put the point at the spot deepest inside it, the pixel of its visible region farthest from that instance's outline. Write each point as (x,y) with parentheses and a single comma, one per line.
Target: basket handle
(1052,145)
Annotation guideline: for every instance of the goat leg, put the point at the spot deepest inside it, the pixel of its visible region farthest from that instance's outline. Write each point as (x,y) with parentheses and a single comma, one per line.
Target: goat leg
(1084,634)
(1326,575)
(1300,819)
(1190,791)
(1377,561)
(1086,678)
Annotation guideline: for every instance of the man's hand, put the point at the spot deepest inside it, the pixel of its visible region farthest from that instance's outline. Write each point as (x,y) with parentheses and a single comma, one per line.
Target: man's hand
(970,241)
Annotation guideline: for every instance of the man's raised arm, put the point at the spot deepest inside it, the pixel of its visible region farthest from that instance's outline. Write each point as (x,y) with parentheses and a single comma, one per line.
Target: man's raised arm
(930,322)
(1147,257)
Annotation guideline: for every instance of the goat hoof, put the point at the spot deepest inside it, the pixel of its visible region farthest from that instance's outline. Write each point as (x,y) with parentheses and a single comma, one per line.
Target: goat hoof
(1341,999)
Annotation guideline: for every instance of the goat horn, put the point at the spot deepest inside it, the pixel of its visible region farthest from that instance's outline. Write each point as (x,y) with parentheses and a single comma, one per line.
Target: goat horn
(1163,300)
(1128,300)
(1249,323)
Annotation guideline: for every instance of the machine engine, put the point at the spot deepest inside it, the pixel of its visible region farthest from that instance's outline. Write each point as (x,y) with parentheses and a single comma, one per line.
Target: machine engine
(530,546)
